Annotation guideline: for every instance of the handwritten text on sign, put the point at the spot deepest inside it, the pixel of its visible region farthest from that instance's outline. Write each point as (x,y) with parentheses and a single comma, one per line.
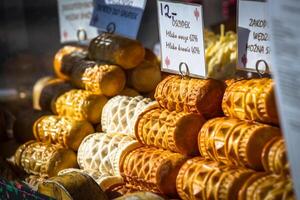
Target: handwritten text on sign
(118,16)
(181,37)
(254,36)
(74,19)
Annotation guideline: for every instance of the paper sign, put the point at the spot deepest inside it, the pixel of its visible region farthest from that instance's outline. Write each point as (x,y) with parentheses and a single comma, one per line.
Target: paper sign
(118,16)
(181,38)
(74,19)
(285,26)
(254,46)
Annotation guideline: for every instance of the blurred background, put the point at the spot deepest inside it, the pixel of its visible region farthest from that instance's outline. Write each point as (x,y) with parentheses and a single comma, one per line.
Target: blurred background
(29,38)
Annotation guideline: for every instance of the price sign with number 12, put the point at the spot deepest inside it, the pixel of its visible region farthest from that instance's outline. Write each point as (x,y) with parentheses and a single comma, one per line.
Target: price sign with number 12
(181,38)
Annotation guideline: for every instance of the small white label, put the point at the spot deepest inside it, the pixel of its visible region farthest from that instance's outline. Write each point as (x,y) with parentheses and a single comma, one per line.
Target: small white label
(254,46)
(181,38)
(118,16)
(285,26)
(74,20)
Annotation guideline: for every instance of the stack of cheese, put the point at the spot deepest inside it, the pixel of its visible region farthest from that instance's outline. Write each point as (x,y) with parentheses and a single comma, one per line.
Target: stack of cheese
(85,81)
(100,154)
(146,143)
(168,133)
(109,67)
(112,65)
(241,155)
(237,156)
(200,139)
(147,146)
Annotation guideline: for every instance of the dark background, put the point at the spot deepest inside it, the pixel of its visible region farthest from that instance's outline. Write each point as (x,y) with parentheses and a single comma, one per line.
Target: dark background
(29,36)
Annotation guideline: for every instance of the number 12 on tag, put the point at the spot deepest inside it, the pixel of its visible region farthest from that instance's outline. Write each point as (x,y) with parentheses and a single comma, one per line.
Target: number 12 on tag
(165,11)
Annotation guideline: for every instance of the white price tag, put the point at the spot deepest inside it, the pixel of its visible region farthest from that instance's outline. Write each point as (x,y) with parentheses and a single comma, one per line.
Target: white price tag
(181,38)
(285,26)
(74,19)
(118,16)
(254,46)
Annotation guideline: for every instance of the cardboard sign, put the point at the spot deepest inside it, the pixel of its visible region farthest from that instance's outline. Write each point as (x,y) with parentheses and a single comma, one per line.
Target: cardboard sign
(181,38)
(118,16)
(285,26)
(254,45)
(74,19)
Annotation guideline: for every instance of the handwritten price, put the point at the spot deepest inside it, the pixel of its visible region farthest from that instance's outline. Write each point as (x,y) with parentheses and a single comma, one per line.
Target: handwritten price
(193,38)
(195,50)
(165,11)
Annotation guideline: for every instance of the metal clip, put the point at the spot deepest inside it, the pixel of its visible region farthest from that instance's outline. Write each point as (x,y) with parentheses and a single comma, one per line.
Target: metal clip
(185,73)
(262,73)
(111,28)
(81,35)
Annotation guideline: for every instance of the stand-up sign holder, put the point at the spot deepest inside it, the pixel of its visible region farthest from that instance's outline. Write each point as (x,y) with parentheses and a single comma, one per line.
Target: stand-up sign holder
(181,38)
(285,27)
(254,41)
(118,16)
(74,20)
